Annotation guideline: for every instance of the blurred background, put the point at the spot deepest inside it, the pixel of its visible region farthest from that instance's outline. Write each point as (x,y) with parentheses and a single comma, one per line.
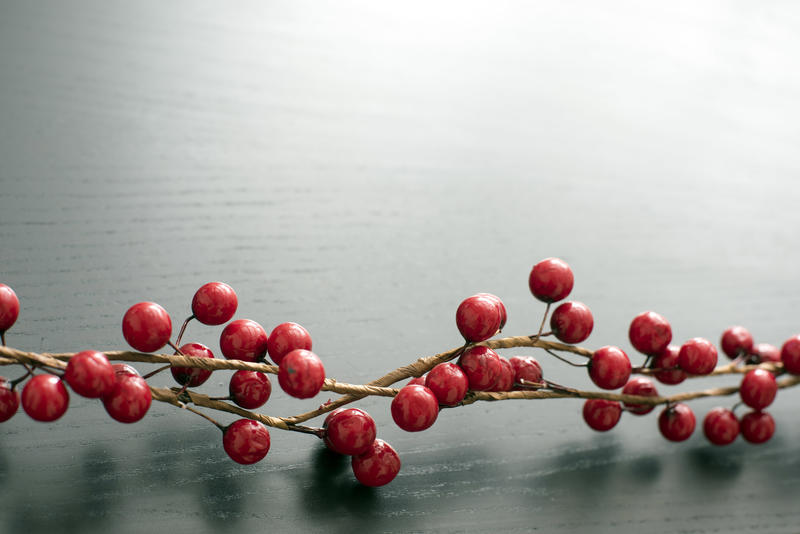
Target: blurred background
(360,168)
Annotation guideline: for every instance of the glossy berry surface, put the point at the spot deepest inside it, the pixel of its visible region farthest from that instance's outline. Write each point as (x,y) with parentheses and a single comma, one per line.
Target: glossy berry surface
(736,341)
(378,466)
(667,360)
(609,368)
(572,322)
(500,306)
(758,389)
(551,280)
(246,441)
(146,326)
(478,318)
(764,352)
(525,368)
(350,431)
(45,398)
(418,380)
(214,303)
(676,422)
(506,379)
(124,369)
(9,307)
(129,399)
(90,374)
(285,338)
(757,427)
(721,426)
(301,374)
(642,387)
(250,389)
(9,400)
(482,367)
(790,355)
(192,376)
(448,383)
(650,333)
(697,356)
(244,340)
(601,414)
(415,408)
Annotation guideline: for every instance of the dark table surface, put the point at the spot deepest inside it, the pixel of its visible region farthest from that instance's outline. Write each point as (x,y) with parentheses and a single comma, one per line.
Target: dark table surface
(360,168)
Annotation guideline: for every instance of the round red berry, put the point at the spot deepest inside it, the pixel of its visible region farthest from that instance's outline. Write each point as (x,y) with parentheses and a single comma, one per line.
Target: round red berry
(90,374)
(249,389)
(601,414)
(551,280)
(214,303)
(9,400)
(482,367)
(244,340)
(642,387)
(500,306)
(124,369)
(415,408)
(506,379)
(650,333)
(478,318)
(146,326)
(44,398)
(572,322)
(676,422)
(736,341)
(667,360)
(192,376)
(448,382)
(129,399)
(246,441)
(609,368)
(418,380)
(350,431)
(764,352)
(378,466)
(697,356)
(525,368)
(758,389)
(757,427)
(9,308)
(301,374)
(721,426)
(285,338)
(790,355)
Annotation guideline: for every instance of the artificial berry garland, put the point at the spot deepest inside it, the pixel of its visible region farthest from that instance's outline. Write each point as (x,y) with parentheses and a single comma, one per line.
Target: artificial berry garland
(480,374)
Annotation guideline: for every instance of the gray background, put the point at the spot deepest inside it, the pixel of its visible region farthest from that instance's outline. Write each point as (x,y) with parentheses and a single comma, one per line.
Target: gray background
(360,168)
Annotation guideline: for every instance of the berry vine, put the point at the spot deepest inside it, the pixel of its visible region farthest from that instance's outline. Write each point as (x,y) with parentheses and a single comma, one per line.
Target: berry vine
(479,374)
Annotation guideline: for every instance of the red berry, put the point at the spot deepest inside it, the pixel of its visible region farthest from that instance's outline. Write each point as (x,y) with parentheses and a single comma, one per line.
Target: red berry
(790,355)
(9,400)
(525,368)
(650,333)
(764,352)
(250,389)
(192,376)
(642,387)
(482,367)
(244,340)
(146,326)
(721,426)
(9,308)
(129,399)
(214,303)
(601,414)
(478,318)
(285,338)
(551,280)
(415,408)
(350,431)
(572,322)
(448,382)
(506,379)
(500,306)
(246,441)
(668,359)
(697,356)
(45,398)
(418,380)
(757,427)
(676,422)
(758,389)
(609,367)
(301,374)
(378,466)
(124,369)
(90,374)
(736,341)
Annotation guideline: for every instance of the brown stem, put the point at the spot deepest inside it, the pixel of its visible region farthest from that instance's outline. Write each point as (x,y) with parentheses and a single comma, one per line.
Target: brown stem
(183,329)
